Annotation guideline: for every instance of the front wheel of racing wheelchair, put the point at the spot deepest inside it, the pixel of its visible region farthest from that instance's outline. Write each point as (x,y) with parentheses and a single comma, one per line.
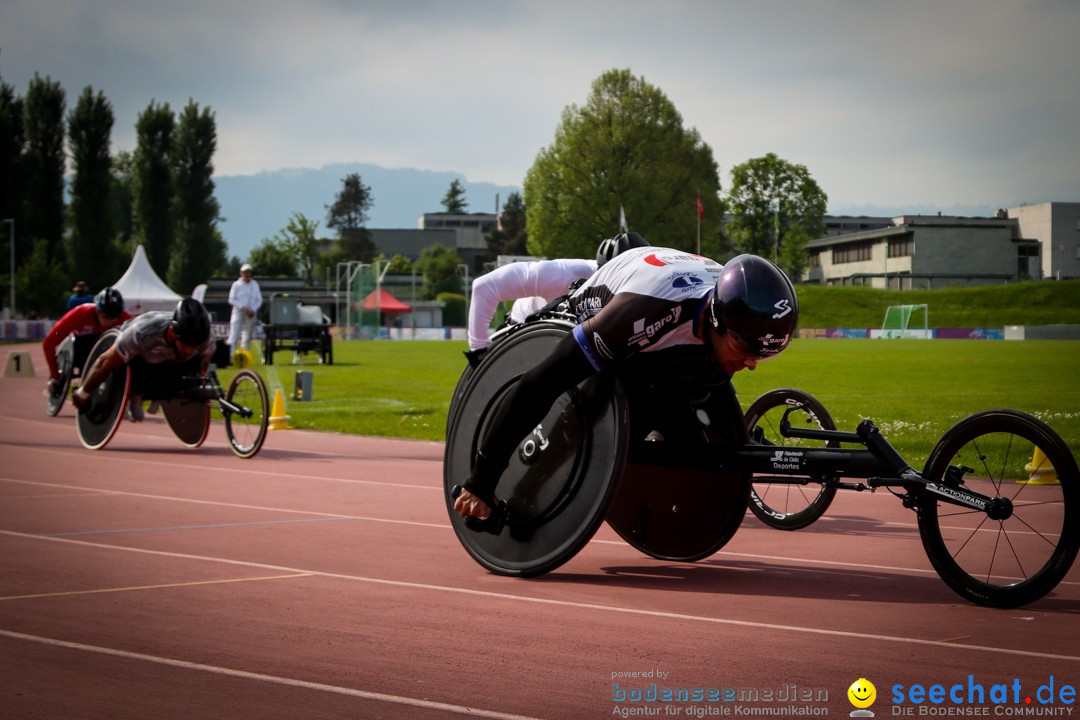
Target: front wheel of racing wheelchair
(587,461)
(185,399)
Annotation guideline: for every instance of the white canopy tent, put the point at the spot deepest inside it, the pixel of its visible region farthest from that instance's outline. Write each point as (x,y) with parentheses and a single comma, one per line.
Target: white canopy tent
(142,289)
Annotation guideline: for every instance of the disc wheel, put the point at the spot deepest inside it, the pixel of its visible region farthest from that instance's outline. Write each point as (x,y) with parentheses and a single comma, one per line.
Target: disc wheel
(247,432)
(1019,553)
(786,505)
(560,477)
(65,364)
(101,418)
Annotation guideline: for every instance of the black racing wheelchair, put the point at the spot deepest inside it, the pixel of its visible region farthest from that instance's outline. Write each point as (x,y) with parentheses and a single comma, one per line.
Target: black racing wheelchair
(185,396)
(993,535)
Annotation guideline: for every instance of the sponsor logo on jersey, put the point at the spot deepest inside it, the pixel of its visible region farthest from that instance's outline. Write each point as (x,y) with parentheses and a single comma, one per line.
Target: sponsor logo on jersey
(668,258)
(685,281)
(644,331)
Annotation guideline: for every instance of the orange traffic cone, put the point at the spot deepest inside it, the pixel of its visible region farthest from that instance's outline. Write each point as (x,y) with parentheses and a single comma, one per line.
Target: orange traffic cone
(1042,472)
(278,419)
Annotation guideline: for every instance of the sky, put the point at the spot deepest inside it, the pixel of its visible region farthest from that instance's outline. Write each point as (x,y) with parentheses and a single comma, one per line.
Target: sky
(912,104)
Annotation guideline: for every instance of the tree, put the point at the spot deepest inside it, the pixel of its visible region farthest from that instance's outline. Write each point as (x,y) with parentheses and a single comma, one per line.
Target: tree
(454,199)
(41,284)
(153,184)
(272,259)
(198,251)
(626,149)
(510,238)
(348,215)
(91,253)
(777,208)
(439,266)
(399,264)
(44,165)
(12,145)
(123,203)
(298,238)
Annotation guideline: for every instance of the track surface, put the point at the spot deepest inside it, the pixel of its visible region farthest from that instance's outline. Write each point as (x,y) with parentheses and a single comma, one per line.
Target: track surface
(321,579)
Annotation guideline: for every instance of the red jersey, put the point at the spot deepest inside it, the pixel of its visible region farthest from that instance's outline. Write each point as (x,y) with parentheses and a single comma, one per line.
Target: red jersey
(80,320)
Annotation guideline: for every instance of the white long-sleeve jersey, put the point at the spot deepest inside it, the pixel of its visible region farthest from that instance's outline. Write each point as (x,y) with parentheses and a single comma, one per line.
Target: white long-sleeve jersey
(546,279)
(245,295)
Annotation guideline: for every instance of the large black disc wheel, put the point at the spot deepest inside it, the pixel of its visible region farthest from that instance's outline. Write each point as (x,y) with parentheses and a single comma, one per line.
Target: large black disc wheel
(560,478)
(65,365)
(188,419)
(1021,547)
(100,419)
(246,429)
(786,505)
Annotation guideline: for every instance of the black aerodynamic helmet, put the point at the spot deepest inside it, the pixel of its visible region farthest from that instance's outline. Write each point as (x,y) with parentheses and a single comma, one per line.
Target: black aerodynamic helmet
(191,321)
(755,301)
(619,244)
(109,302)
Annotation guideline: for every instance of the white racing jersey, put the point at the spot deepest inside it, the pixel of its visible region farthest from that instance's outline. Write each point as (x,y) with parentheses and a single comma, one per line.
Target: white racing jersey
(643,300)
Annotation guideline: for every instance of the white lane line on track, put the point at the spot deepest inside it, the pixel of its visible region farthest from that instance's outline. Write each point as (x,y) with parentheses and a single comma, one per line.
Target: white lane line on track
(446,526)
(260,677)
(614,609)
(110,457)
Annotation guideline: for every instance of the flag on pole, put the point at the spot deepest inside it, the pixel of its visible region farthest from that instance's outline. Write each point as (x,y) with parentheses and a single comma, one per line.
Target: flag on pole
(622,219)
(700,208)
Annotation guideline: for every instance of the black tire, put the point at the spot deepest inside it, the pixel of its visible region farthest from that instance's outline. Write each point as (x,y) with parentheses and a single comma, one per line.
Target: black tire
(247,434)
(1015,561)
(787,506)
(65,365)
(188,419)
(560,480)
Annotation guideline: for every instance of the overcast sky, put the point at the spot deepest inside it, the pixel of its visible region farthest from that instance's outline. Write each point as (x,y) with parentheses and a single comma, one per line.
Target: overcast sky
(887,102)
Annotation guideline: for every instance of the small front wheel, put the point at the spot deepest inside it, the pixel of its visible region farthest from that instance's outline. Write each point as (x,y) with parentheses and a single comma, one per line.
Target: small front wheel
(247,428)
(1021,549)
(786,505)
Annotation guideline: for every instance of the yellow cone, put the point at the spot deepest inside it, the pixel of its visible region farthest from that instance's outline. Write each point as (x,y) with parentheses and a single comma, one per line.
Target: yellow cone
(1042,472)
(278,419)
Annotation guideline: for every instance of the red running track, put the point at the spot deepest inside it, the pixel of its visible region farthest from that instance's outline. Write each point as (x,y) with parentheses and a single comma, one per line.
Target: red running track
(321,579)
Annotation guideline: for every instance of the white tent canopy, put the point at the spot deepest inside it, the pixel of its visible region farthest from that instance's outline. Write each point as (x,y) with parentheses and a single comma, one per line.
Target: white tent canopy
(142,289)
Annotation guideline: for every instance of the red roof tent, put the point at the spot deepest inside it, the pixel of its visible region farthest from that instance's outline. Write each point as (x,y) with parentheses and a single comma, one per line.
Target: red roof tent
(382,300)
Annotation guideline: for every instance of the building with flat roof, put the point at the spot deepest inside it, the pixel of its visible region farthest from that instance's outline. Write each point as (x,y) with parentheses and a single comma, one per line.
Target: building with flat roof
(916,251)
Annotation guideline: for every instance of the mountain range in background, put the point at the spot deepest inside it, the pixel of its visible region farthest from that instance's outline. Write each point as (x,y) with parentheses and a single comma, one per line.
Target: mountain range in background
(257,207)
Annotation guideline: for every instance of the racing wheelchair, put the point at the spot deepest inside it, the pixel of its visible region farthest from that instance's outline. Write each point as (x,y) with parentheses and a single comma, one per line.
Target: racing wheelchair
(186,398)
(994,538)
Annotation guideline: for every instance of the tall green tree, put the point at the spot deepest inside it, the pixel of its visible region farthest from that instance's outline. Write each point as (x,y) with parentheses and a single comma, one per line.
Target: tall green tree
(198,251)
(511,237)
(348,216)
(439,266)
(299,239)
(777,208)
(12,145)
(271,259)
(44,165)
(91,253)
(454,199)
(625,149)
(123,204)
(153,184)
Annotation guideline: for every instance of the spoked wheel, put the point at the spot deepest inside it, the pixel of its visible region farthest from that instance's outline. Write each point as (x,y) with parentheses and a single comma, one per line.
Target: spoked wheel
(246,429)
(785,505)
(65,364)
(1021,549)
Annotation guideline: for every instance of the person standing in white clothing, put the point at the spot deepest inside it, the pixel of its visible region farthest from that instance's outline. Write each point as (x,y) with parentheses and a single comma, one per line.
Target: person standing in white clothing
(246,299)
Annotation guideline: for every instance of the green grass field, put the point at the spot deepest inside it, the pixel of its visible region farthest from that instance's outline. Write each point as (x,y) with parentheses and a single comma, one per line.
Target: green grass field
(913,389)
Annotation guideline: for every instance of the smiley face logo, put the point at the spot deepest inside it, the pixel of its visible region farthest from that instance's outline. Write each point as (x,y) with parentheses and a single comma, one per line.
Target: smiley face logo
(862,693)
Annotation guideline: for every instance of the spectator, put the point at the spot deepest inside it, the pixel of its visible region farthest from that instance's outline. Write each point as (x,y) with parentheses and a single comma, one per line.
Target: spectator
(246,299)
(80,294)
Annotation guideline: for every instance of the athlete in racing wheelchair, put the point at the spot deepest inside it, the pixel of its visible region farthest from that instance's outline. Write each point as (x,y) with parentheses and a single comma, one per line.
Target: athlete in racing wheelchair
(165,357)
(68,343)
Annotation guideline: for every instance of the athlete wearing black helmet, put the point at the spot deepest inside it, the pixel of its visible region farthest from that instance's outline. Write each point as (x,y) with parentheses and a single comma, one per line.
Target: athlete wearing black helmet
(646,299)
(617,245)
(86,322)
(160,347)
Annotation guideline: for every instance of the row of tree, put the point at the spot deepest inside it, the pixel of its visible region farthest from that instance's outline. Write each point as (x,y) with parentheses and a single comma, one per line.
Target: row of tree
(161,196)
